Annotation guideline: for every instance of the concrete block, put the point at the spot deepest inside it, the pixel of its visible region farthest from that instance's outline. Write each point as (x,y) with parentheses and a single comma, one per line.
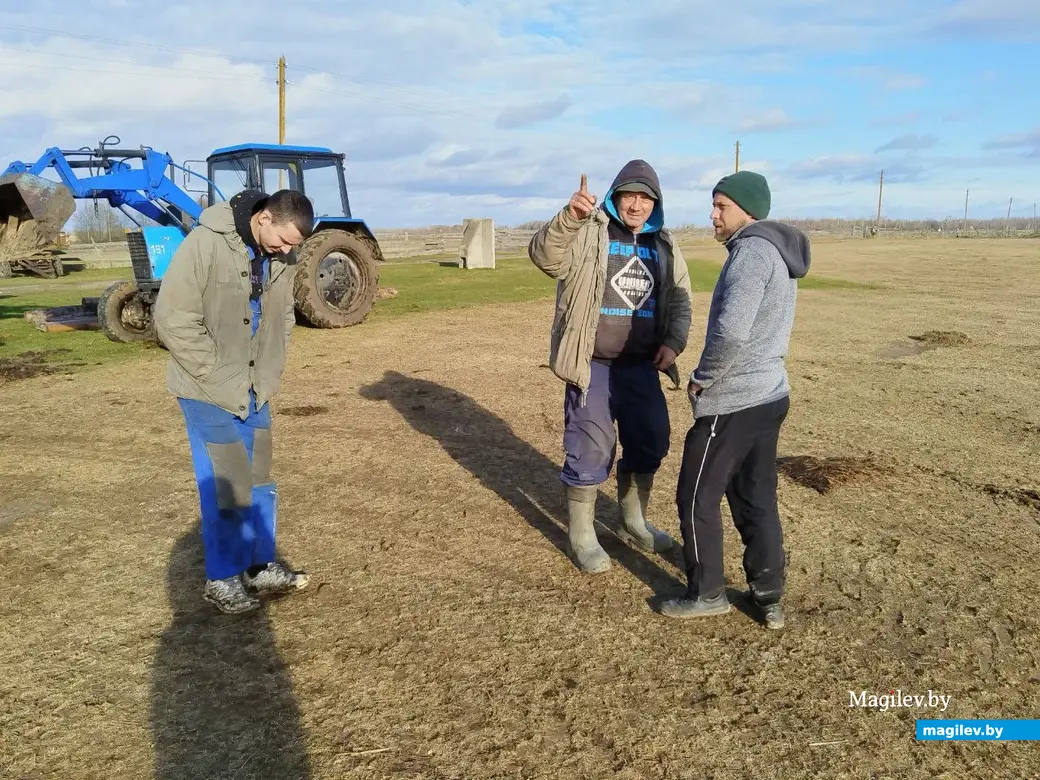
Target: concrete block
(478,244)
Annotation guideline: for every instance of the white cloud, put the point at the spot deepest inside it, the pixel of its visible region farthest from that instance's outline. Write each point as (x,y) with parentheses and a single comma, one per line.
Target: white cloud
(532,114)
(888,79)
(772,120)
(1027,143)
(909,143)
(897,120)
(448,109)
(1015,19)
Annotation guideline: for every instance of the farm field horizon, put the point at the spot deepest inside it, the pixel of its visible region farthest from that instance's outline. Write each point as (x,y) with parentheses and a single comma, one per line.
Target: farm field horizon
(445,633)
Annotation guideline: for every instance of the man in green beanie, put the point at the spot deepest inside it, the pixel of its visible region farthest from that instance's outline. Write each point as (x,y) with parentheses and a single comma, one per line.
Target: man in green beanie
(740,397)
(748,191)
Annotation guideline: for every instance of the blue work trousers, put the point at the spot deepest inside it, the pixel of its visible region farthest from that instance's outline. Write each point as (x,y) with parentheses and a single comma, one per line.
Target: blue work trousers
(238,498)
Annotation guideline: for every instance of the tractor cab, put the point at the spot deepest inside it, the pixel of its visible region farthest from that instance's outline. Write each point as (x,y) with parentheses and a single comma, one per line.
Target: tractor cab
(315,171)
(337,275)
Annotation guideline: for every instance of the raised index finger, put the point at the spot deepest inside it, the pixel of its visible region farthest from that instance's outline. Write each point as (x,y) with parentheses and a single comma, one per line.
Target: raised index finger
(584,183)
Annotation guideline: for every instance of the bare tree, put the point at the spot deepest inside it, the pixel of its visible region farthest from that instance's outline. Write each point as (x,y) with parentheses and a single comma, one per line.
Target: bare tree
(103,224)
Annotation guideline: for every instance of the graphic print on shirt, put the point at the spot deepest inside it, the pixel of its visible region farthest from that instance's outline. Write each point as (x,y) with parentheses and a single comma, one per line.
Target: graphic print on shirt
(633,282)
(627,316)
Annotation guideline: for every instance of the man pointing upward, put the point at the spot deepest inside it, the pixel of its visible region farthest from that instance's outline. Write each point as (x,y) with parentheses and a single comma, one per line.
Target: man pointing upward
(622,315)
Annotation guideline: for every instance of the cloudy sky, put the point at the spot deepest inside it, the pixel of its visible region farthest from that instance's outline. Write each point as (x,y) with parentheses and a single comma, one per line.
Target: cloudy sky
(452,108)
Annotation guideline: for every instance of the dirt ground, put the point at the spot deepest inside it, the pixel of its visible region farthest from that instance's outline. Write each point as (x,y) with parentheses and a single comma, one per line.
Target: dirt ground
(446,634)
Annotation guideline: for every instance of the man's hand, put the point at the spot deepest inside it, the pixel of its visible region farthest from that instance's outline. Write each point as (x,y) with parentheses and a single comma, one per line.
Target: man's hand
(582,202)
(692,389)
(664,358)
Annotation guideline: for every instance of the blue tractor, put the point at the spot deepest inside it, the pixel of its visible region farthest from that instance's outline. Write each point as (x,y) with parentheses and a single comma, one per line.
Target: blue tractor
(337,272)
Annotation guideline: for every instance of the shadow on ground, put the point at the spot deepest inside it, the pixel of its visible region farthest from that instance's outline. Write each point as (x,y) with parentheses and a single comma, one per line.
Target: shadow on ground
(222,699)
(485,445)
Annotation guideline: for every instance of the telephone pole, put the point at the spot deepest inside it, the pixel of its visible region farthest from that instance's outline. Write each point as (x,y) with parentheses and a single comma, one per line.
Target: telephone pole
(881,189)
(966,206)
(281,100)
(736,166)
(281,116)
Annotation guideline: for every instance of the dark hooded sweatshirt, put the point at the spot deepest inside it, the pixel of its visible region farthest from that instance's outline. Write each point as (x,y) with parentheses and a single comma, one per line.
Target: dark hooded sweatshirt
(750,320)
(627,322)
(243,206)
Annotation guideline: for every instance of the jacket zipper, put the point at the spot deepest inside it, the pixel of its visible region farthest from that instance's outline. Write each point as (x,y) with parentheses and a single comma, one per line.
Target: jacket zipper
(601,280)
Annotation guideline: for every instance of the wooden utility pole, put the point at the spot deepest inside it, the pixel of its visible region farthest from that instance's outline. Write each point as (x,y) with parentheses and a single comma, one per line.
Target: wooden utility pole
(736,166)
(881,189)
(281,100)
(1009,208)
(281,117)
(966,206)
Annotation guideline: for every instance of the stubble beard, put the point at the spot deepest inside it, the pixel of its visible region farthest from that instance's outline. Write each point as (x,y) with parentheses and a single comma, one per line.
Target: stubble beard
(726,235)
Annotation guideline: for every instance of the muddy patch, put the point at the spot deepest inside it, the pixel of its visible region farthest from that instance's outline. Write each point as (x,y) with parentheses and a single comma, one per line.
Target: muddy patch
(1024,496)
(32,364)
(825,474)
(901,350)
(1027,497)
(303,411)
(942,338)
(924,342)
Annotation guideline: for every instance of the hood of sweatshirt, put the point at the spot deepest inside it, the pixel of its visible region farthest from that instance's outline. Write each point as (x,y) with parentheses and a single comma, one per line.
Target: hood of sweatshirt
(792,243)
(219,218)
(637,171)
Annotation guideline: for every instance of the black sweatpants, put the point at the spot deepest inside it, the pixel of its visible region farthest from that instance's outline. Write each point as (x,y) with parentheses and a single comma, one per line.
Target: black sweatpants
(733,455)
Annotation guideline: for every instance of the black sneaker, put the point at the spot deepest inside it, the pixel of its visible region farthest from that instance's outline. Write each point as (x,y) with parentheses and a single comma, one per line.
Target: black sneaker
(229,596)
(275,579)
(686,607)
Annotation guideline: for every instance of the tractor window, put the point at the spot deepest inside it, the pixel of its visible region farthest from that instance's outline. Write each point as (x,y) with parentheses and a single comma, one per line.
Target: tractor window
(321,180)
(230,177)
(281,176)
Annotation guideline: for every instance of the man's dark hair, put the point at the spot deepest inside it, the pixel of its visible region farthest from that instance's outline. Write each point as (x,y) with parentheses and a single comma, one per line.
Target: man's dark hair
(291,206)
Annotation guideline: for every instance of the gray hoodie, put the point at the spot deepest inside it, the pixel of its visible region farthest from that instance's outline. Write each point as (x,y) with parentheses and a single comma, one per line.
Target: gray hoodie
(750,321)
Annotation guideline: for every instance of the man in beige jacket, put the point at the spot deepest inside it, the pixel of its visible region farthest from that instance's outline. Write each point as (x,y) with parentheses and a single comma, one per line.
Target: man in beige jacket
(224,311)
(623,308)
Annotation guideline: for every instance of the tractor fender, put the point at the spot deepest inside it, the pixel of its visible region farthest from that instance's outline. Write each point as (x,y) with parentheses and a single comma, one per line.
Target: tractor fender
(355,227)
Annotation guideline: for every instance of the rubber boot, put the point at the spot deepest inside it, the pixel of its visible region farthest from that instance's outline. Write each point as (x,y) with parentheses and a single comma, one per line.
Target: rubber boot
(585,549)
(633,497)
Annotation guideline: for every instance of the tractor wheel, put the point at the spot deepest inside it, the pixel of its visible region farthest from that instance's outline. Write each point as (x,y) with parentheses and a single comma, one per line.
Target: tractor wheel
(6,271)
(58,267)
(336,279)
(123,316)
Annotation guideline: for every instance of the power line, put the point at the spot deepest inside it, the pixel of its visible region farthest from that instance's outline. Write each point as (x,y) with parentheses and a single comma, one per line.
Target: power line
(177,69)
(380,84)
(163,71)
(410,106)
(160,74)
(250,60)
(153,46)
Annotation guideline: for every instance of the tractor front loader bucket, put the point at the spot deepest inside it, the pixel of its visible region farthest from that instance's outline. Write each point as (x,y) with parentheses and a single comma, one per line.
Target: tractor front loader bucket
(33,210)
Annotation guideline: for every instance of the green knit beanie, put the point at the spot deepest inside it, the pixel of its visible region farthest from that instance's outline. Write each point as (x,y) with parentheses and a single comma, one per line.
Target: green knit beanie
(747,189)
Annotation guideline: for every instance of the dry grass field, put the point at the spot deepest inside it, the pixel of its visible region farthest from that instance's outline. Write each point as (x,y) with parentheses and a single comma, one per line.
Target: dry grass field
(446,634)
